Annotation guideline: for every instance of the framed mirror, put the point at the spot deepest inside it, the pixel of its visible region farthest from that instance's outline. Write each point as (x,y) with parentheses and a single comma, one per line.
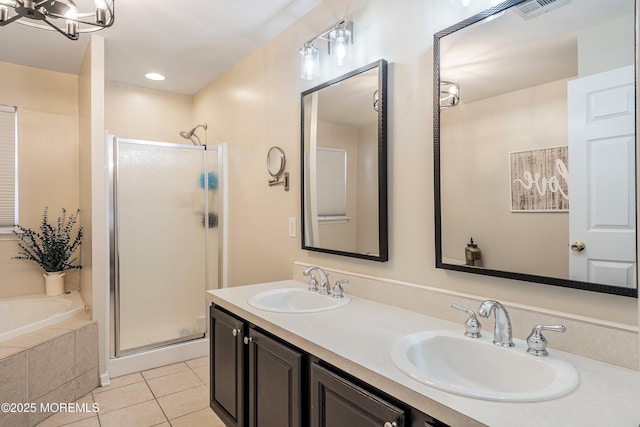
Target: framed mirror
(534,144)
(344,165)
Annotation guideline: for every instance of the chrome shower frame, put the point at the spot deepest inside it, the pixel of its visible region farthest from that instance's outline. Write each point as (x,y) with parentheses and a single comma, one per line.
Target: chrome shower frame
(114,282)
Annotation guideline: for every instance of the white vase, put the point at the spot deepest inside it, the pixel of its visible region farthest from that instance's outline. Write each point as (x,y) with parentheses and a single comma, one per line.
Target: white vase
(54,283)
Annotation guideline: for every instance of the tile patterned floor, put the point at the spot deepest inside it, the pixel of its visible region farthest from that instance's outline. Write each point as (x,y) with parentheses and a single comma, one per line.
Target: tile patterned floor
(174,395)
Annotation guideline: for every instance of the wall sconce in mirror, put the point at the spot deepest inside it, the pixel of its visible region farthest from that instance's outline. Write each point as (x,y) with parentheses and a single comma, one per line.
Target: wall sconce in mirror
(276,161)
(339,38)
(449,94)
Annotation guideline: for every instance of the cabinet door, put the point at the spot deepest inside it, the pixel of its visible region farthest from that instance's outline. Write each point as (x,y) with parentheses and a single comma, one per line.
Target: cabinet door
(275,383)
(338,402)
(228,365)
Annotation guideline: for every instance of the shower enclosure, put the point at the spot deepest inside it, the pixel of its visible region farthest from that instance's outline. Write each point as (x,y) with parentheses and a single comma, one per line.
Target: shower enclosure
(165,242)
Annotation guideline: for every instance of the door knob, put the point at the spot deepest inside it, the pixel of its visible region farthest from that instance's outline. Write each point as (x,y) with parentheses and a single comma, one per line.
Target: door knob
(235,332)
(247,340)
(577,246)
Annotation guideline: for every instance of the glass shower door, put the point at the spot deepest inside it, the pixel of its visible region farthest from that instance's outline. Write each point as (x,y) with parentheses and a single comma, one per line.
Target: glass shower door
(162,198)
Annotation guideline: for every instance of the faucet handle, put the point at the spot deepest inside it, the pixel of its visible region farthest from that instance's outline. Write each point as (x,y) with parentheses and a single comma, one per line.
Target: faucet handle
(313,283)
(471,326)
(537,342)
(337,291)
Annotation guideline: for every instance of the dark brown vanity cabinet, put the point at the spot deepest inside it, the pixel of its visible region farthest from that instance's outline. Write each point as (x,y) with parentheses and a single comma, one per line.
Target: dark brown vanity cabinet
(256,381)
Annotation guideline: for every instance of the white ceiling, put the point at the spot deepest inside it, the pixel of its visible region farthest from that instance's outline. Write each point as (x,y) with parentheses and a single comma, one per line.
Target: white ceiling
(190,42)
(510,53)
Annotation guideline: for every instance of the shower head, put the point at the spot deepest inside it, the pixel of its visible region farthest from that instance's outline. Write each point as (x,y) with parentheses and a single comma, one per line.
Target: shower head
(191,134)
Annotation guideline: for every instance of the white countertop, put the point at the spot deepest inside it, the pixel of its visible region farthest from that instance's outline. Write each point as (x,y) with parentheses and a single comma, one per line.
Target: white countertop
(357,338)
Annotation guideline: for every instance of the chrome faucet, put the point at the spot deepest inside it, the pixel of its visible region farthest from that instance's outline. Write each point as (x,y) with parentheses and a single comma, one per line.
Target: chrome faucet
(324,280)
(502,335)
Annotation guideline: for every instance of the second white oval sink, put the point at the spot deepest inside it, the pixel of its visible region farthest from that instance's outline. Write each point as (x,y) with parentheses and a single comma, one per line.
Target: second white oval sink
(475,367)
(296,300)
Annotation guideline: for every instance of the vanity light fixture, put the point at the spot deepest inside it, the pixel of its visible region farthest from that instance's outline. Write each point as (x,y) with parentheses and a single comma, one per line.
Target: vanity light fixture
(449,94)
(62,16)
(339,38)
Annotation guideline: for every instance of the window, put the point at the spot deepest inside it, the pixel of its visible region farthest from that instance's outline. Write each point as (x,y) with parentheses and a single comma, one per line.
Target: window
(332,182)
(8,169)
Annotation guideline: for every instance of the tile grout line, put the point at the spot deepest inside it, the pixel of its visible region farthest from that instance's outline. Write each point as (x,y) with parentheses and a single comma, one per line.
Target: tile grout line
(155,398)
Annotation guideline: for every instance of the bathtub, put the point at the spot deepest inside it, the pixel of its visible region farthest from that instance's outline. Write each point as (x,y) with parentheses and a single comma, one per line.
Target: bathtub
(19,315)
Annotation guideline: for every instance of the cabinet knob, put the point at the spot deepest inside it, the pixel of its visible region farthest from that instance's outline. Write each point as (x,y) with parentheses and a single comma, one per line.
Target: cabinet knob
(390,424)
(235,332)
(247,340)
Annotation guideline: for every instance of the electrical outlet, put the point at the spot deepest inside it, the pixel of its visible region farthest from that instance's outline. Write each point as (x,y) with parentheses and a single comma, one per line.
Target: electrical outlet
(293,228)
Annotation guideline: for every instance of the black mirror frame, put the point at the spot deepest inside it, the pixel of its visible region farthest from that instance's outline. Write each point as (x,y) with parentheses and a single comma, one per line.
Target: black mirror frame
(383,233)
(554,281)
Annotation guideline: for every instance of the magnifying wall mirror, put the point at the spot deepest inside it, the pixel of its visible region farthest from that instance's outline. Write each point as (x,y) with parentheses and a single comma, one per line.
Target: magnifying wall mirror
(276,161)
(535,136)
(344,165)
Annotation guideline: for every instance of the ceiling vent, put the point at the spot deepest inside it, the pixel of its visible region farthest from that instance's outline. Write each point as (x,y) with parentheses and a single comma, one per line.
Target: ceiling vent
(533,8)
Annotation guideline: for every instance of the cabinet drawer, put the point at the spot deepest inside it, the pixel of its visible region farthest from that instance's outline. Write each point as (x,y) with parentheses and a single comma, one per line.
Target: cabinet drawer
(336,401)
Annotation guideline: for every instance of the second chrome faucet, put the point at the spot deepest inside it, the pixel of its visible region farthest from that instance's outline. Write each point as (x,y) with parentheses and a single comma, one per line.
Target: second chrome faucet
(502,334)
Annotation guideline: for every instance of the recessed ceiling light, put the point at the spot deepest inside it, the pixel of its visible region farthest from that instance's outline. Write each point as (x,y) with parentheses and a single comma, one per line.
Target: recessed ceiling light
(155,76)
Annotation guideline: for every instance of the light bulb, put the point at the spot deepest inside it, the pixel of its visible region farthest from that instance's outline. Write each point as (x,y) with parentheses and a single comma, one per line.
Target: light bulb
(340,44)
(101,12)
(309,62)
(72,13)
(4,13)
(72,25)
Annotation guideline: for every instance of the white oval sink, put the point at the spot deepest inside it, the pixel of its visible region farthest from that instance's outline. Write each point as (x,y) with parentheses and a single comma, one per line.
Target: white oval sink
(296,300)
(475,367)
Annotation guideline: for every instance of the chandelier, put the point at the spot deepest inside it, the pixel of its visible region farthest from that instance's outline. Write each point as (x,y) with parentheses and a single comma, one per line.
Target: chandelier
(62,16)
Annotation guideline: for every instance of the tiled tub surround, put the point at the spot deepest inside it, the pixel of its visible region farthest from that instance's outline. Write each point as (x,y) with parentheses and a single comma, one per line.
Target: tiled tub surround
(55,364)
(607,342)
(357,339)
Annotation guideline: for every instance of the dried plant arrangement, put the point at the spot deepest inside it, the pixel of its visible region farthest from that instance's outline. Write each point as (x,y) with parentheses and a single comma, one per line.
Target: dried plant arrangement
(52,247)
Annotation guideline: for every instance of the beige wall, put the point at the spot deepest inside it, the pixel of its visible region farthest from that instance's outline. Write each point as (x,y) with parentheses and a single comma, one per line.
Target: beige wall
(606,46)
(367,233)
(47,162)
(133,112)
(256,104)
(476,188)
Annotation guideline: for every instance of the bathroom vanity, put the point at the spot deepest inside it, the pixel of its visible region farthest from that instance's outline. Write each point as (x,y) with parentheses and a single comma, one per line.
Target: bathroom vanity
(333,367)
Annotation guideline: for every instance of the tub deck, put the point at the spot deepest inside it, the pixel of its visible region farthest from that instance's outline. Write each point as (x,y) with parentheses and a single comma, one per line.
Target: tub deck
(47,333)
